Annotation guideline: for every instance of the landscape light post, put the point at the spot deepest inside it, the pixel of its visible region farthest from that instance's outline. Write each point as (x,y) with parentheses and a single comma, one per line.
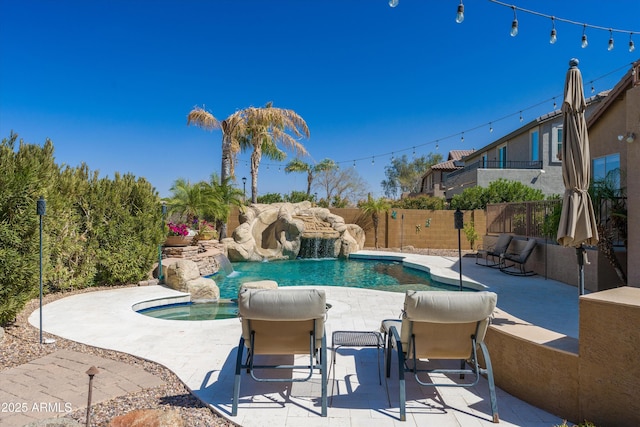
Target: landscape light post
(244,188)
(164,214)
(458,223)
(41,208)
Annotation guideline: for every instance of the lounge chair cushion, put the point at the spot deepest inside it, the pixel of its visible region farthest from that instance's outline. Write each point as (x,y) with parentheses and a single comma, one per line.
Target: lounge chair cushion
(446,320)
(274,314)
(449,306)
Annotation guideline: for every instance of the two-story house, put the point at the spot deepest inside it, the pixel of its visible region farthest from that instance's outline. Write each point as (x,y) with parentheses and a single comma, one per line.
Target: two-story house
(529,154)
(432,181)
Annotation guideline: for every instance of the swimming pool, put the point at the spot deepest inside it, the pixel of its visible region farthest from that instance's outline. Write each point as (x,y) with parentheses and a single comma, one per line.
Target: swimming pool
(382,275)
(355,273)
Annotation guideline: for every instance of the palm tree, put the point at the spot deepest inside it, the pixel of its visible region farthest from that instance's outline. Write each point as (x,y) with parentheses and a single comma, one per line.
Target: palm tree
(223,195)
(297,165)
(232,127)
(187,200)
(266,128)
(375,207)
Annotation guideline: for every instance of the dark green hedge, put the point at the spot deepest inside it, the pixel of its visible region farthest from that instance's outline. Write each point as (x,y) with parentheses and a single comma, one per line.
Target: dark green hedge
(96,231)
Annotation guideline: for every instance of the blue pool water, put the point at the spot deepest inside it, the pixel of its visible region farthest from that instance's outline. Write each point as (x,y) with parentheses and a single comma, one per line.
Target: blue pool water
(388,276)
(356,273)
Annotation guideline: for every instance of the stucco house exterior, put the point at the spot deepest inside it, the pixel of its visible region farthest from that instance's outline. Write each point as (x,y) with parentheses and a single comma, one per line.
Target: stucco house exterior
(614,139)
(529,155)
(431,182)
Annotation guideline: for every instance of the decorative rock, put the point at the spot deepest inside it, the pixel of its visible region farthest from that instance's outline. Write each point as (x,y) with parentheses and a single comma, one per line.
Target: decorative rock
(274,232)
(203,290)
(149,417)
(180,272)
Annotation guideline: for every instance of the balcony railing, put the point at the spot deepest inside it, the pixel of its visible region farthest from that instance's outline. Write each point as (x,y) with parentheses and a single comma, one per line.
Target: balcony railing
(497,164)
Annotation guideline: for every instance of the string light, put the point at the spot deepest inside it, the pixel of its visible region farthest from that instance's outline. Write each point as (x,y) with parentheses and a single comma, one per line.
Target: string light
(373,160)
(585,42)
(610,47)
(460,14)
(553,36)
(462,137)
(554,103)
(393,3)
(414,152)
(437,141)
(514,24)
(632,47)
(392,157)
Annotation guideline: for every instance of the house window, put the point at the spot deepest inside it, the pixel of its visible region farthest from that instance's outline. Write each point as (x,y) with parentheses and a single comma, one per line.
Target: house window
(502,157)
(556,144)
(535,145)
(607,167)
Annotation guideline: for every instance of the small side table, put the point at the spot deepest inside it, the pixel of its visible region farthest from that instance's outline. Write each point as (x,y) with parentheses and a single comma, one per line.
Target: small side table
(355,339)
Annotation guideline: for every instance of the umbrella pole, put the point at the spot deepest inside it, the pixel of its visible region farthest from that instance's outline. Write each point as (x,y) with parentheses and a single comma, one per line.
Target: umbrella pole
(580,251)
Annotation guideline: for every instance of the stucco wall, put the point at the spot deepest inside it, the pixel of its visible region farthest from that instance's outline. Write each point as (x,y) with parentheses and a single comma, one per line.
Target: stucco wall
(594,378)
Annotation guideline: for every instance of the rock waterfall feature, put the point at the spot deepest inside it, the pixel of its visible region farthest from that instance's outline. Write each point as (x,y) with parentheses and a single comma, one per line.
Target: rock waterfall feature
(291,230)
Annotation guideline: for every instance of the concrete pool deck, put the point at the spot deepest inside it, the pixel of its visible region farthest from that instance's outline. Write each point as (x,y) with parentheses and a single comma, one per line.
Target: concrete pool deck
(202,354)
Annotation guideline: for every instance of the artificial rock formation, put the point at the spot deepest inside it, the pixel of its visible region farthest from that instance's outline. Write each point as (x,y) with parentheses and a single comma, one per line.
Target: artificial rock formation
(184,275)
(287,230)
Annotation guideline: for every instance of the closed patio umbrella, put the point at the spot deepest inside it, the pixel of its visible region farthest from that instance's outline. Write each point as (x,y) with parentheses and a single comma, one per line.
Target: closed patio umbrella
(577,221)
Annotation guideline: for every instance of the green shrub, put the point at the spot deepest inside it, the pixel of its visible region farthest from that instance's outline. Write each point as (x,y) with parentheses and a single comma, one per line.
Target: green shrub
(95,231)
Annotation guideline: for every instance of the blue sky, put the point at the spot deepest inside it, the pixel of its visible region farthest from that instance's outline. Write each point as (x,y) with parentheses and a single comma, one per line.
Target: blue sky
(111,82)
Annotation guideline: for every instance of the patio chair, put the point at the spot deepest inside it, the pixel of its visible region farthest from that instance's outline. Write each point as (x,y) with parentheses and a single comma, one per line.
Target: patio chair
(499,248)
(438,325)
(282,322)
(510,260)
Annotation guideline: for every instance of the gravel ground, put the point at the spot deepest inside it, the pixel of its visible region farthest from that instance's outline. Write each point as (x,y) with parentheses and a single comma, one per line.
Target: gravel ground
(21,344)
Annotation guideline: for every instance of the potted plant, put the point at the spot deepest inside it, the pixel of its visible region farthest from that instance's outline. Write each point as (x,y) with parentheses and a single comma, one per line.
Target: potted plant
(177,235)
(206,231)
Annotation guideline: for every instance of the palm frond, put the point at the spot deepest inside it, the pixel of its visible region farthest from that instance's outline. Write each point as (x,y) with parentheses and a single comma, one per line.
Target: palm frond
(203,119)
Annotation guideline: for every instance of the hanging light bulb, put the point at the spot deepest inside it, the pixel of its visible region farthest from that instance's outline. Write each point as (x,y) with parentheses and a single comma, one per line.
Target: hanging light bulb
(392,156)
(632,47)
(490,127)
(437,145)
(593,89)
(414,152)
(373,160)
(521,116)
(354,164)
(553,38)
(514,24)
(585,42)
(393,3)
(610,40)
(460,14)
(554,103)
(462,137)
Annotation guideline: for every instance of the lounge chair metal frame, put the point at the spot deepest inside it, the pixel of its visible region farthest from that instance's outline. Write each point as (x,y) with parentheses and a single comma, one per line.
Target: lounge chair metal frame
(496,251)
(510,260)
(314,351)
(393,340)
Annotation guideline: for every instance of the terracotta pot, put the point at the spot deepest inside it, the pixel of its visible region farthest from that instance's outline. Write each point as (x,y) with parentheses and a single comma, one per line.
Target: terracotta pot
(177,241)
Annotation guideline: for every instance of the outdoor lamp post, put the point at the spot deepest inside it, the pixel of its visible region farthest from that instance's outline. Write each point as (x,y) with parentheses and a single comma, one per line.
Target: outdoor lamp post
(244,187)
(41,208)
(458,223)
(164,215)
